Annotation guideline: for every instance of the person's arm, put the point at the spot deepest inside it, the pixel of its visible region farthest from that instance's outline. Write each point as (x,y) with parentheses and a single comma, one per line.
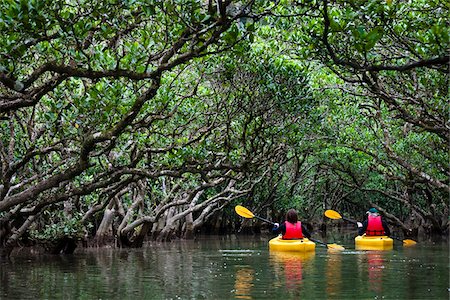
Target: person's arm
(277,228)
(305,232)
(362,228)
(387,231)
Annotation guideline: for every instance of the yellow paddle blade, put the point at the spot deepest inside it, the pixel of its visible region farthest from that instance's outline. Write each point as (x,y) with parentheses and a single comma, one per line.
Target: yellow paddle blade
(335,247)
(243,212)
(332,214)
(409,242)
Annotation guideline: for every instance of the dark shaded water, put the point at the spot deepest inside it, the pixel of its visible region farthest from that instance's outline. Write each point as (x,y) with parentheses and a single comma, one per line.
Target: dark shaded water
(229,268)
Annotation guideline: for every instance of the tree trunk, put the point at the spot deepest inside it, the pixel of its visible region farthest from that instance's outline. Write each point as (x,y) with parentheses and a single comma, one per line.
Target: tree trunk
(138,239)
(12,241)
(166,232)
(189,227)
(189,219)
(137,205)
(104,234)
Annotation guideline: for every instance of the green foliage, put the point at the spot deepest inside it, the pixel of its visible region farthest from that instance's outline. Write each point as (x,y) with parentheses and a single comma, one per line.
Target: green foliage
(319,104)
(61,227)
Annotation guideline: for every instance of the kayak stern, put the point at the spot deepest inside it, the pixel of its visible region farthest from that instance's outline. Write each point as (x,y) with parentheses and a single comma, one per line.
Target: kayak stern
(374,243)
(300,245)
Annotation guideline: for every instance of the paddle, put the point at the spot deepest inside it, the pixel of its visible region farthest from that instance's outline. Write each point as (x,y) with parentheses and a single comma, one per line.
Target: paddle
(406,242)
(244,212)
(329,246)
(335,215)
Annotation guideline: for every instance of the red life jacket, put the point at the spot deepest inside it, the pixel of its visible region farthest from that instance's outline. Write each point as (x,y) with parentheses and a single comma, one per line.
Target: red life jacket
(293,231)
(374,226)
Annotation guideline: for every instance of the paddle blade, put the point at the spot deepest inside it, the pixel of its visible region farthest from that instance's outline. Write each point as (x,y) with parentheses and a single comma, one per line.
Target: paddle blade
(244,212)
(332,214)
(335,247)
(409,242)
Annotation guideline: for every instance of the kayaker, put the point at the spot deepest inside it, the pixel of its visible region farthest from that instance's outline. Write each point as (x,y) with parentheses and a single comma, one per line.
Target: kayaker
(291,229)
(374,225)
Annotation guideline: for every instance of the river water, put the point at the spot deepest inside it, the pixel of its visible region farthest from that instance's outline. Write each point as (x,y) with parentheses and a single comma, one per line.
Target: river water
(231,267)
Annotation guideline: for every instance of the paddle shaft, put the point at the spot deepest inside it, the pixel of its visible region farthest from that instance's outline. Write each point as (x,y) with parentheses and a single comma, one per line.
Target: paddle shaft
(329,246)
(349,220)
(265,220)
(407,242)
(317,241)
(396,238)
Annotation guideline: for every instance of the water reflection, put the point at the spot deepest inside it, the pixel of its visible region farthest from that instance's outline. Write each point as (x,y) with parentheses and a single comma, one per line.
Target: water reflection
(244,282)
(290,266)
(375,266)
(373,263)
(227,269)
(334,274)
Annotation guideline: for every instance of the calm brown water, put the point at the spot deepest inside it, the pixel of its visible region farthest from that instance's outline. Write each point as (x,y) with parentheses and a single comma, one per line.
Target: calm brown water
(229,268)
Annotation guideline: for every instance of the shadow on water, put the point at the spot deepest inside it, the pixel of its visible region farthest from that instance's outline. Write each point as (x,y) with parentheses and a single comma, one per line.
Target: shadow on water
(231,267)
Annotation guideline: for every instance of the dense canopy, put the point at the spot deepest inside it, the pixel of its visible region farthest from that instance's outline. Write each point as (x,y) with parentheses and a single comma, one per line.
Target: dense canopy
(126,120)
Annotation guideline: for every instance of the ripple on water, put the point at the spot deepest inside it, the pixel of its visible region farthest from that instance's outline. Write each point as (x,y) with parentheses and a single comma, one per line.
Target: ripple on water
(239,252)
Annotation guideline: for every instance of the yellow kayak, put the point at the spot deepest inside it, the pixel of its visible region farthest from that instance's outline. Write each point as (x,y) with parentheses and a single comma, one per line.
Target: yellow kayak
(382,242)
(301,245)
(287,256)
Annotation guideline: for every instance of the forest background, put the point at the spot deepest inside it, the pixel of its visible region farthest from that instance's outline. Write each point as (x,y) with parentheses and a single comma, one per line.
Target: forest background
(122,121)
